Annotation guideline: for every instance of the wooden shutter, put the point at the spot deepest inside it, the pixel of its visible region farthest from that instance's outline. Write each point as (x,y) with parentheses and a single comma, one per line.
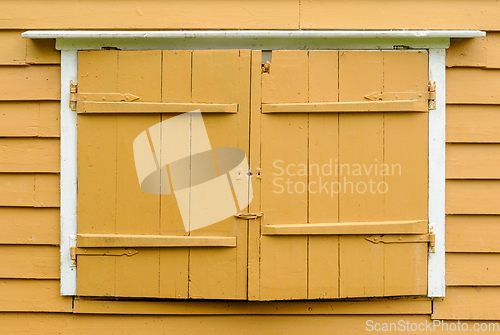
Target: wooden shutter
(121,94)
(345,109)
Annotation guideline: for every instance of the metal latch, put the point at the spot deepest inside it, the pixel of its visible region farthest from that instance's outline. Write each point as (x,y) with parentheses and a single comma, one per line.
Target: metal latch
(74,251)
(423,238)
(248,216)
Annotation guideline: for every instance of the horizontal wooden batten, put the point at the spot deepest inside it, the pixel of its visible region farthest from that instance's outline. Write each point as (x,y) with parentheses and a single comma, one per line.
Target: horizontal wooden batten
(348,107)
(146,241)
(356,228)
(89,107)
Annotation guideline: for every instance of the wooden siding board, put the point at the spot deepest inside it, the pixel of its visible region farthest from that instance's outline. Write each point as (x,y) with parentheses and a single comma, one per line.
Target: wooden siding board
(472,86)
(472,124)
(467,52)
(13,51)
(31,295)
(42,52)
(468,303)
(29,155)
(472,161)
(410,14)
(177,14)
(29,190)
(493,52)
(29,119)
(29,225)
(472,196)
(473,233)
(25,261)
(38,82)
(401,306)
(470,269)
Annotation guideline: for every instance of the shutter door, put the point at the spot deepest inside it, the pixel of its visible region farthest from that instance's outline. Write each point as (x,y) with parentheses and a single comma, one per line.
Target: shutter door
(131,243)
(353,126)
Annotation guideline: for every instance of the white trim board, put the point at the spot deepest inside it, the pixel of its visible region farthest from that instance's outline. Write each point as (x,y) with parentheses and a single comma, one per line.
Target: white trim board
(69,42)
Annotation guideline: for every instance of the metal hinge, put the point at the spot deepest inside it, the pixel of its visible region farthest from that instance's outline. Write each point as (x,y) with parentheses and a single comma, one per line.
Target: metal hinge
(248,216)
(423,238)
(74,251)
(429,95)
(95,97)
(266,67)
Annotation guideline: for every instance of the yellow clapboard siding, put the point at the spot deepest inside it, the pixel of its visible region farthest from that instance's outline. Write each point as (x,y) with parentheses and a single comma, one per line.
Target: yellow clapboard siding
(32,295)
(29,225)
(78,324)
(410,14)
(30,119)
(473,233)
(493,52)
(37,82)
(42,51)
(468,269)
(472,86)
(13,51)
(29,155)
(29,190)
(467,52)
(472,196)
(150,14)
(472,161)
(472,123)
(468,303)
(25,261)
(399,306)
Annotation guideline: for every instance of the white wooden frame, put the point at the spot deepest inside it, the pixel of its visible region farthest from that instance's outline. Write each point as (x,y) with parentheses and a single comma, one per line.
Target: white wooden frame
(436,41)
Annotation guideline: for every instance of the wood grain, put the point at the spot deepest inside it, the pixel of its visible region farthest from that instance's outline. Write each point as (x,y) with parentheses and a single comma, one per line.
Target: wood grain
(29,190)
(29,155)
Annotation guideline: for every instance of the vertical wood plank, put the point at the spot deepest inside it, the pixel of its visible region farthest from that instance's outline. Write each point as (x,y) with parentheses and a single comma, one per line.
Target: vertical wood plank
(360,144)
(139,72)
(176,87)
(323,268)
(283,270)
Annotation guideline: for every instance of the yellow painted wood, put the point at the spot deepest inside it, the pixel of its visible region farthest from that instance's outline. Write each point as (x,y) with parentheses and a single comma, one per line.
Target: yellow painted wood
(145,107)
(246,14)
(29,155)
(254,161)
(221,76)
(29,190)
(284,140)
(398,306)
(344,14)
(468,269)
(42,51)
(471,86)
(468,303)
(472,124)
(472,233)
(323,263)
(347,228)
(14,48)
(346,107)
(23,261)
(29,225)
(176,76)
(116,240)
(467,52)
(472,196)
(472,161)
(38,82)
(360,142)
(493,43)
(21,295)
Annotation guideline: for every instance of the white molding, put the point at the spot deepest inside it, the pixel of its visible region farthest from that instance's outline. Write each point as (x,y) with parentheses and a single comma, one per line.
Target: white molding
(419,34)
(69,65)
(437,146)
